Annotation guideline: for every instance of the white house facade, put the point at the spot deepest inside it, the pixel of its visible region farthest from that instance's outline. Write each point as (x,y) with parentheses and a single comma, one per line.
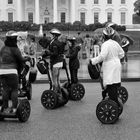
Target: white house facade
(86,11)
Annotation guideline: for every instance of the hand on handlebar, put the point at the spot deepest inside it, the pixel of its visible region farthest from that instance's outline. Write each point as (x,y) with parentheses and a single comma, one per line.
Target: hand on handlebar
(40,58)
(27,58)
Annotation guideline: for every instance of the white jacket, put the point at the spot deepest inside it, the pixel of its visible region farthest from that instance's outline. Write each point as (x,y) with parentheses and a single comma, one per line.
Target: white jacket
(111,53)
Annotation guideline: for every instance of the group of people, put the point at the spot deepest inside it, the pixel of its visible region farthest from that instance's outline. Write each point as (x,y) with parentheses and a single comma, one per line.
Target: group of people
(17,50)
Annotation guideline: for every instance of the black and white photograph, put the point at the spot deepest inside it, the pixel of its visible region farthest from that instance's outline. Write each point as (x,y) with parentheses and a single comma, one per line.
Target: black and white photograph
(69,69)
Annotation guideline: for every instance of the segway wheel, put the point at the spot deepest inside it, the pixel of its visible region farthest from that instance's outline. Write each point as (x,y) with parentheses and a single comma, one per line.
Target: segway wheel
(49,99)
(23,110)
(123,94)
(107,111)
(32,75)
(120,106)
(65,95)
(29,91)
(77,92)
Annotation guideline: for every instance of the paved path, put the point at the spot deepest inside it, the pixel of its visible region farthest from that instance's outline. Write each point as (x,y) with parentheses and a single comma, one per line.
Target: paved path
(76,120)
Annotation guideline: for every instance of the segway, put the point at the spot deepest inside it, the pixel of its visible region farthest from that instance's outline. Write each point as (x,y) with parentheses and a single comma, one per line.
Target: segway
(76,90)
(28,67)
(107,111)
(22,112)
(51,99)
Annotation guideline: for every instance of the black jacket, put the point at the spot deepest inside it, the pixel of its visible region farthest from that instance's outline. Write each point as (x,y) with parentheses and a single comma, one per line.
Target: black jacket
(55,51)
(73,57)
(10,57)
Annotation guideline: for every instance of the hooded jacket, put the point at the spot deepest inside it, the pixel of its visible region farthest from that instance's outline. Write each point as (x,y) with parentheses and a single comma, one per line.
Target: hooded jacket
(10,56)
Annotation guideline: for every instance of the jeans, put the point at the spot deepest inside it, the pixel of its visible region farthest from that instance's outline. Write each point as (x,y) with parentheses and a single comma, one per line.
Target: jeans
(73,74)
(10,89)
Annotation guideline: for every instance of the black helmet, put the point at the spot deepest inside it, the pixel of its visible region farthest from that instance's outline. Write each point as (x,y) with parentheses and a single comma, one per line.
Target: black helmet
(108,31)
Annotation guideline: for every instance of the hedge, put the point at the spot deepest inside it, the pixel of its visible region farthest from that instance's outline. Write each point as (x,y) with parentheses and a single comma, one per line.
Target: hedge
(76,26)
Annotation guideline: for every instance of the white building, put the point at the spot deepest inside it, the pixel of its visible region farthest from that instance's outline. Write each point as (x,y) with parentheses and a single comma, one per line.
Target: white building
(87,11)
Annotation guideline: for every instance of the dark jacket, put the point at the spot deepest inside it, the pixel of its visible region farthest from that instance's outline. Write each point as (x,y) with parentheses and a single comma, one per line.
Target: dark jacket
(44,42)
(10,57)
(55,51)
(73,57)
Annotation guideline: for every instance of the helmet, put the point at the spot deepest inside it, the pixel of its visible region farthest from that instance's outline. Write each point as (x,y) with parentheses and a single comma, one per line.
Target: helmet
(55,32)
(108,31)
(11,34)
(71,39)
(111,24)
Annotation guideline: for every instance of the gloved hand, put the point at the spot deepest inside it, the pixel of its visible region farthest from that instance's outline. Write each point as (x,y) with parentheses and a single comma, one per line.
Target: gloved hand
(27,58)
(40,57)
(47,52)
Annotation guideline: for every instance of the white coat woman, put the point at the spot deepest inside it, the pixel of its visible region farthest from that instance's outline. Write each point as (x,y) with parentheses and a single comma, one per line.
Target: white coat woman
(110,55)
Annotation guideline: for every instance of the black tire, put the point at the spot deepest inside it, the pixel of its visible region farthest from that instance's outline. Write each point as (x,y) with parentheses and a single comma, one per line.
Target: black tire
(29,91)
(67,86)
(123,94)
(120,106)
(23,110)
(49,99)
(107,111)
(32,75)
(65,95)
(77,92)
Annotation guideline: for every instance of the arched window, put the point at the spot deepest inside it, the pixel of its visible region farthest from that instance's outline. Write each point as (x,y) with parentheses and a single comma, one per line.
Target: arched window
(10,1)
(109,1)
(96,1)
(122,1)
(82,1)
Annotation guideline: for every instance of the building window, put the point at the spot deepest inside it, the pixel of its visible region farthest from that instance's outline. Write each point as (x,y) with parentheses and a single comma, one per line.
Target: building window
(123,15)
(109,1)
(10,17)
(82,1)
(10,1)
(82,17)
(109,17)
(96,1)
(96,17)
(122,1)
(63,17)
(30,17)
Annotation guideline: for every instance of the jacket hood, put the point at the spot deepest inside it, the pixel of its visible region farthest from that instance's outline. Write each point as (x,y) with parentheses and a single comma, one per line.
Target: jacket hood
(11,42)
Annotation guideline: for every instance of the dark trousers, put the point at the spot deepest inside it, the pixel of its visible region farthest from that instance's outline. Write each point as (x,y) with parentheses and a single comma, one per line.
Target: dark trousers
(73,74)
(10,89)
(112,92)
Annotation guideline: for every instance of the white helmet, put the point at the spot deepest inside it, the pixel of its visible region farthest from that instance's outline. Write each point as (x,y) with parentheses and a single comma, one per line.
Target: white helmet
(11,34)
(55,32)
(108,31)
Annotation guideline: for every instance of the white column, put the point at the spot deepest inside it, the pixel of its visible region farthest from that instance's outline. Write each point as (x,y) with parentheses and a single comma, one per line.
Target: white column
(55,11)
(37,11)
(19,10)
(72,11)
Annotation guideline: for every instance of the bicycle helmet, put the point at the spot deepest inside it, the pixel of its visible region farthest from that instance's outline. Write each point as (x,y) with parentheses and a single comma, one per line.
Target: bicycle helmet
(71,39)
(11,34)
(55,32)
(108,31)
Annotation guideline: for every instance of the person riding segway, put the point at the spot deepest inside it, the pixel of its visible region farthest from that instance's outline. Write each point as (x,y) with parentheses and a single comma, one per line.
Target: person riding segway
(57,95)
(111,53)
(11,62)
(25,85)
(75,89)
